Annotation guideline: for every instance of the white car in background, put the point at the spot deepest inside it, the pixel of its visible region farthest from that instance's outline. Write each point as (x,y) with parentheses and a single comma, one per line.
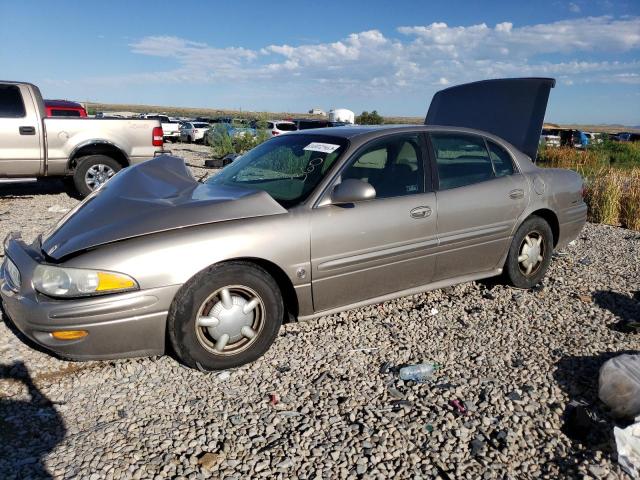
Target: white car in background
(278,127)
(550,137)
(193,131)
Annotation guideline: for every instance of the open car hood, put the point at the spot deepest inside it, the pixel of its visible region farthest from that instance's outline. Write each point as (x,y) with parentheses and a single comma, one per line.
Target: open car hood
(154,196)
(510,108)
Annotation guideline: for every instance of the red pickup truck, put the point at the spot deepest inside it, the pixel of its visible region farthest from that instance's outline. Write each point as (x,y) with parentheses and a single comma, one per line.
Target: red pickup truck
(63,108)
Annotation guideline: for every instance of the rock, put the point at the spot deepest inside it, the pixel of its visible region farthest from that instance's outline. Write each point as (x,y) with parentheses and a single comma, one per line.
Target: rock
(209,460)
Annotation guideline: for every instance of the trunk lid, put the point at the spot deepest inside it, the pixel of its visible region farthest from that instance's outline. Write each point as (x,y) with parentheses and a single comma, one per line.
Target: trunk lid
(154,196)
(510,108)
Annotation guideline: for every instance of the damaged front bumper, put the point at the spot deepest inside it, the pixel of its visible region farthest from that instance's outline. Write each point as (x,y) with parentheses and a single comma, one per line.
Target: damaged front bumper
(117,325)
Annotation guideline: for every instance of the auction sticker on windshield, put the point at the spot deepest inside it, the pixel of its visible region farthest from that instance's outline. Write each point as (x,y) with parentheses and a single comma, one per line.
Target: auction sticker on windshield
(322,147)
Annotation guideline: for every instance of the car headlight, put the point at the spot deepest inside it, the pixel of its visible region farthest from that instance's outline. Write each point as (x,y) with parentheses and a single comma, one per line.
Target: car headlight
(12,274)
(77,282)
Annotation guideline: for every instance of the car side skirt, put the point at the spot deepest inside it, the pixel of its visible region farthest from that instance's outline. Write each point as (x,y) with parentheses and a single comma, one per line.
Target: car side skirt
(403,293)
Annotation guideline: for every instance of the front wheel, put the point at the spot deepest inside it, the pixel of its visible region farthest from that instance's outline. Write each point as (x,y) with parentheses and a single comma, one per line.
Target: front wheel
(530,253)
(226,316)
(93,171)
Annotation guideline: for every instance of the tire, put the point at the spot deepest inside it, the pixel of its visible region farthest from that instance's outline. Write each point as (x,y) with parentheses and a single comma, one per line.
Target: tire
(189,139)
(202,297)
(103,166)
(525,273)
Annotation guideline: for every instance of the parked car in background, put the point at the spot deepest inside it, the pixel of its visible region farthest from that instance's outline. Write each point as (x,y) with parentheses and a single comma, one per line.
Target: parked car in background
(170,128)
(276,127)
(64,108)
(304,225)
(193,131)
(87,151)
(628,137)
(550,137)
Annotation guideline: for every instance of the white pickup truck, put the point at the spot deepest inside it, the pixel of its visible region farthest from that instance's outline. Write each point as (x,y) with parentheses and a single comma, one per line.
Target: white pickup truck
(86,151)
(170,129)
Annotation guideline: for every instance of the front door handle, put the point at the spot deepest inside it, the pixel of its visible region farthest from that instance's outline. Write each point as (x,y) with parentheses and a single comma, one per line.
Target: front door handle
(420,212)
(27,130)
(517,193)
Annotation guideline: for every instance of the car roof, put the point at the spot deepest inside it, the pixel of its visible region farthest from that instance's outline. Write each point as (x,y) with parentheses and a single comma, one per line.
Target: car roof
(352,131)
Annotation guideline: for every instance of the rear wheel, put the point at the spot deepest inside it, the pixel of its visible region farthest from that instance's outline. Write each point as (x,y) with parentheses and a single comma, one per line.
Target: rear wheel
(93,171)
(226,316)
(530,253)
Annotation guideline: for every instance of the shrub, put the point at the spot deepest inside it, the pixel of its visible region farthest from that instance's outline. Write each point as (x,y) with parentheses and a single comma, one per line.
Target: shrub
(373,118)
(223,144)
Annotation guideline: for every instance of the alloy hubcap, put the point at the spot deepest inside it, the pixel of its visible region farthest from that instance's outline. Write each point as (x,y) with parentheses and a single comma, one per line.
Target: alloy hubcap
(230,320)
(97,175)
(531,253)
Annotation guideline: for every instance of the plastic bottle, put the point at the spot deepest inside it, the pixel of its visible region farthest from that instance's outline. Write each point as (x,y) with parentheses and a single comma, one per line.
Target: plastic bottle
(418,373)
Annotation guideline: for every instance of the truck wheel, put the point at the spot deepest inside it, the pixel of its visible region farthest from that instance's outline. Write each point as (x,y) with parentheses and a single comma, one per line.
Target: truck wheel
(93,171)
(530,253)
(225,316)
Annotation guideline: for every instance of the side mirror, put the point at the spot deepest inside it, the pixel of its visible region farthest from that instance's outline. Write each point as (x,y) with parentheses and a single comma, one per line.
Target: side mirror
(352,190)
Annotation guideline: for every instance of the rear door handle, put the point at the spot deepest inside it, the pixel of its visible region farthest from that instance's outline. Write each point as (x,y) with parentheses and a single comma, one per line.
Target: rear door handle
(27,130)
(420,212)
(517,193)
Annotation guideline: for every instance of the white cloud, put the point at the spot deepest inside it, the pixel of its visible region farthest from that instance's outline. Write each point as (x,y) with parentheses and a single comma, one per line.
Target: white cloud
(574,7)
(437,54)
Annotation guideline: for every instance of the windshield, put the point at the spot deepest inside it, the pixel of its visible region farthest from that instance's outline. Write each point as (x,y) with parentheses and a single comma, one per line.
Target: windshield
(288,168)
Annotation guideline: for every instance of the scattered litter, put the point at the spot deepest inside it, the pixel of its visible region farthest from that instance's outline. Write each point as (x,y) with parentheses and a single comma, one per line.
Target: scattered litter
(272,445)
(585,261)
(477,446)
(397,405)
(428,428)
(582,421)
(560,253)
(628,447)
(619,385)
(289,413)
(395,393)
(385,368)
(445,385)
(283,368)
(274,398)
(421,372)
(433,311)
(459,406)
(514,396)
(58,209)
(364,349)
(320,377)
(572,243)
(224,376)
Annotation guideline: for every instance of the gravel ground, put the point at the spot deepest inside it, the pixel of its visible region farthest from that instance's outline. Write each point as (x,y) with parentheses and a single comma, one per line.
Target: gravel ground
(319,405)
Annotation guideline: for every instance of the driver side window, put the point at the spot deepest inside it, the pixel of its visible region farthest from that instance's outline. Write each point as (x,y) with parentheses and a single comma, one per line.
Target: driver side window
(392,165)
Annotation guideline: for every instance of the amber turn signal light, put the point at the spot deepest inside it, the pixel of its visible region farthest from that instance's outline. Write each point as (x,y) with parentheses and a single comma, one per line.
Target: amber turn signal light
(69,334)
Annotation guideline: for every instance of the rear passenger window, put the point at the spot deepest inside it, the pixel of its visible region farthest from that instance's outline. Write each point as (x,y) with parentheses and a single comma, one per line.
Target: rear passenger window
(502,163)
(461,160)
(11,105)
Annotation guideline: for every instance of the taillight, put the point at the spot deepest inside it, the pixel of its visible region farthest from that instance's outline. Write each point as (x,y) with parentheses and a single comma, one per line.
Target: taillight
(275,132)
(157,137)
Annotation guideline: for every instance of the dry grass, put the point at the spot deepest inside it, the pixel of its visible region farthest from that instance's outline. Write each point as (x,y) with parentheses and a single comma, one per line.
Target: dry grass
(613,197)
(612,179)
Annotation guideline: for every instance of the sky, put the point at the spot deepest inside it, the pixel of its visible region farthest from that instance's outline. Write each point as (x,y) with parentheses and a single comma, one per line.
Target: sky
(387,55)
